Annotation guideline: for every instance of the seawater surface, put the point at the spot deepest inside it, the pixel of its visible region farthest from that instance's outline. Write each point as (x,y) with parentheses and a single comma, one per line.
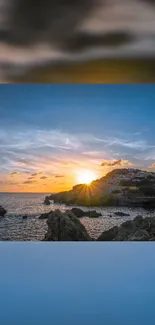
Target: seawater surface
(14,228)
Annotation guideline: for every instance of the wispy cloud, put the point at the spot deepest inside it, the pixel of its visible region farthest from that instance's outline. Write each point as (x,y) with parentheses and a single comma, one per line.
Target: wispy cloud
(132,144)
(59,153)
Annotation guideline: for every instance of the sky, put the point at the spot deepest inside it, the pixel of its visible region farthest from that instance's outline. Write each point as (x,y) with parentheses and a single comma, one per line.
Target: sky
(78,283)
(50,133)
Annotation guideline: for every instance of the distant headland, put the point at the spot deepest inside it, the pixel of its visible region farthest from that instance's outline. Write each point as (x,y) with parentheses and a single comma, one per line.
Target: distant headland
(120,187)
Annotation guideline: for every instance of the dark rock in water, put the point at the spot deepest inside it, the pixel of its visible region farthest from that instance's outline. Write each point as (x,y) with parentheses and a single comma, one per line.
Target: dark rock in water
(2,211)
(45,215)
(121,214)
(24,217)
(125,230)
(139,229)
(139,235)
(65,227)
(80,213)
(93,214)
(109,234)
(47,201)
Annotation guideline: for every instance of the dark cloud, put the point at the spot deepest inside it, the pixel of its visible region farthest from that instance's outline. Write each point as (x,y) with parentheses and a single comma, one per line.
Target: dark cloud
(109,163)
(14,173)
(84,41)
(59,176)
(58,22)
(36,174)
(29,182)
(43,177)
(31,177)
(45,20)
(120,162)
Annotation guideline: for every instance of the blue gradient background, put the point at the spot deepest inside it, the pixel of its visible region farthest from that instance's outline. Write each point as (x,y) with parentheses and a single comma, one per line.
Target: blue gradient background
(77,283)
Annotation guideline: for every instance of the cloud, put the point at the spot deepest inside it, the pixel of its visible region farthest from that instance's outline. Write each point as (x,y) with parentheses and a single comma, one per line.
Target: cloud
(43,177)
(36,174)
(14,173)
(31,177)
(152,166)
(107,163)
(112,163)
(29,182)
(56,152)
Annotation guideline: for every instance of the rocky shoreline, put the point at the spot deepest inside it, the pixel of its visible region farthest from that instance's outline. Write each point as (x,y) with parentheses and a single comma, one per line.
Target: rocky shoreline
(65,226)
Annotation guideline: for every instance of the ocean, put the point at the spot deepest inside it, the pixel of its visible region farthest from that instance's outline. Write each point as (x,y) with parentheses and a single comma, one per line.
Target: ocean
(14,228)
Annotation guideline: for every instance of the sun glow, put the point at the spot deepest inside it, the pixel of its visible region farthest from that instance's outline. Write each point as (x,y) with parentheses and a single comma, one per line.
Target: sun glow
(85,176)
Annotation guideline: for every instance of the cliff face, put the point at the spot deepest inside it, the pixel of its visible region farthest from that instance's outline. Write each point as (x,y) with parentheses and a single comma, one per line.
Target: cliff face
(119,187)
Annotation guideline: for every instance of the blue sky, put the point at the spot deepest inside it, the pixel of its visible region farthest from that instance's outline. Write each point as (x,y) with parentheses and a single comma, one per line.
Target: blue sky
(55,129)
(63,283)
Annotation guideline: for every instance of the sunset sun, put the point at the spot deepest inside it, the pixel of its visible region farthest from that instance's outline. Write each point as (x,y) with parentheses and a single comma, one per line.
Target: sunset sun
(85,176)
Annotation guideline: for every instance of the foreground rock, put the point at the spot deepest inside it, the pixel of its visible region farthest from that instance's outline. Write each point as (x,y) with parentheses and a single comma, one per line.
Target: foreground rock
(2,211)
(138,229)
(80,213)
(47,201)
(65,227)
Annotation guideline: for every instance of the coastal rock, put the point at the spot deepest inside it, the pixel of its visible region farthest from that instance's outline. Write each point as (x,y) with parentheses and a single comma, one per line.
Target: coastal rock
(93,214)
(24,217)
(2,211)
(139,229)
(138,220)
(140,235)
(47,201)
(45,215)
(121,214)
(125,230)
(109,234)
(80,213)
(65,227)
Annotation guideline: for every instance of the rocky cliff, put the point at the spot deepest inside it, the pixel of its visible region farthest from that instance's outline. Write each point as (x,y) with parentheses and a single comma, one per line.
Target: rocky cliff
(121,187)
